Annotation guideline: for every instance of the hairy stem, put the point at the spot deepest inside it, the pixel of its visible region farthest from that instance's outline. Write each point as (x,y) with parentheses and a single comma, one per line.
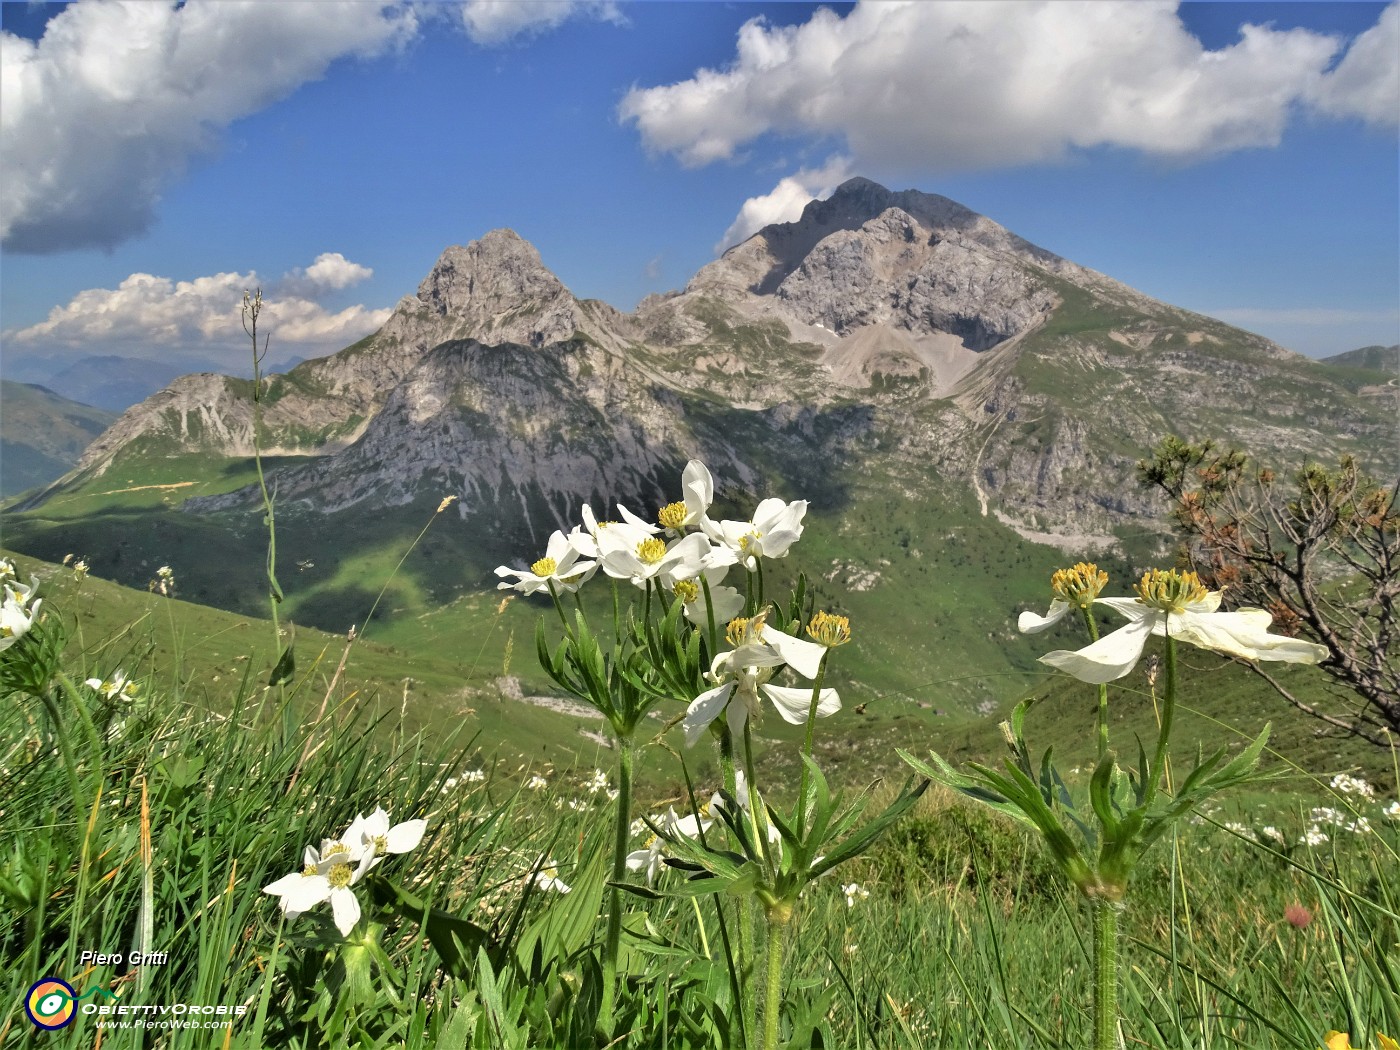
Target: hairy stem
(1107,1035)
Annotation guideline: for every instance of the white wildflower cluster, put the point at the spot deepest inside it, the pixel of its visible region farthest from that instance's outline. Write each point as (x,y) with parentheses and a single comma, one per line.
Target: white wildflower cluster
(854,891)
(1392,811)
(19,606)
(536,783)
(470,776)
(1335,819)
(1346,784)
(329,873)
(164,581)
(688,554)
(648,859)
(80,567)
(117,687)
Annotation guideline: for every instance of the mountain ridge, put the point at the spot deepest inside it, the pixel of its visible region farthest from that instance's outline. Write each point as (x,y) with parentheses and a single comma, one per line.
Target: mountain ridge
(955,344)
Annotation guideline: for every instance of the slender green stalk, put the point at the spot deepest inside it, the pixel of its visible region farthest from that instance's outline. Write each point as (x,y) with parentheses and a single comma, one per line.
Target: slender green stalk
(619,872)
(807,744)
(1165,731)
(252,306)
(773,989)
(1105,923)
(1093,628)
(748,1005)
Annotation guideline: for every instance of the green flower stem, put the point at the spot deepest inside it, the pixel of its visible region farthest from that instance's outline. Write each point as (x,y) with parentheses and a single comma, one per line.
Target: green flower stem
(1105,922)
(619,872)
(807,744)
(772,1006)
(1159,760)
(1103,689)
(742,905)
(559,608)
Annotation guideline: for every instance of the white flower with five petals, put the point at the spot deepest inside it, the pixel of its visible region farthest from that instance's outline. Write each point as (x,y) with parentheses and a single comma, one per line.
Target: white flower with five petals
(560,567)
(775,527)
(742,676)
(1172,604)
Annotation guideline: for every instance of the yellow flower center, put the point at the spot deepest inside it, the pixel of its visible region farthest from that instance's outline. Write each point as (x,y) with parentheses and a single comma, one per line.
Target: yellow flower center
(830,630)
(381,844)
(309,871)
(1169,590)
(651,550)
(737,631)
(747,540)
(336,849)
(544,567)
(672,516)
(1079,585)
(687,591)
(340,876)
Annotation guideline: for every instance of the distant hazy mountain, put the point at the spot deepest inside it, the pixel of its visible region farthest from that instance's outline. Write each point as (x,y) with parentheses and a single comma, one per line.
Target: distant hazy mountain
(111,382)
(42,435)
(1379,358)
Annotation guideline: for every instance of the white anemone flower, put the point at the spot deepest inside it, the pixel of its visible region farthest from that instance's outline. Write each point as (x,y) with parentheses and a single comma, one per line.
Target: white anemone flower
(742,675)
(584,538)
(775,527)
(1174,604)
(727,601)
(547,877)
(118,687)
(648,858)
(1074,588)
(560,566)
(323,878)
(625,557)
(15,618)
(854,891)
(372,835)
(697,493)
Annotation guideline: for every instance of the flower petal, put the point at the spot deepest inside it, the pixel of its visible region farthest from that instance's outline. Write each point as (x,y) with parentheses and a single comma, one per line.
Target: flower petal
(1111,657)
(1244,634)
(703,710)
(345,907)
(803,657)
(1030,623)
(793,704)
(404,837)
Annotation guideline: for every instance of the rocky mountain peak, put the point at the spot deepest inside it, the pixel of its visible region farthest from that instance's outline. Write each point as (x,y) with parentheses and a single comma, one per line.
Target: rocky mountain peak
(497,290)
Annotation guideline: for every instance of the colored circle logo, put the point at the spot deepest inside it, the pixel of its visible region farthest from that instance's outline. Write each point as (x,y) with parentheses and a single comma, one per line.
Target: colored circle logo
(49,1003)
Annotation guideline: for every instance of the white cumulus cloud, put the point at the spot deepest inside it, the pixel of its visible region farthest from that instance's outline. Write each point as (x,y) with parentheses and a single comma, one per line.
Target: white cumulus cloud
(786,201)
(149,313)
(493,22)
(1366,83)
(964,85)
(330,272)
(117,97)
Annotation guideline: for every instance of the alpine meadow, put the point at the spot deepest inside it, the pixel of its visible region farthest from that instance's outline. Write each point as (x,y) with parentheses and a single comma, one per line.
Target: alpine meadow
(889,634)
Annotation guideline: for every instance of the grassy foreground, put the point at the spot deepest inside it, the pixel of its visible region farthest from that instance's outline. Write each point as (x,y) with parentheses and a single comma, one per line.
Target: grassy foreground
(179,808)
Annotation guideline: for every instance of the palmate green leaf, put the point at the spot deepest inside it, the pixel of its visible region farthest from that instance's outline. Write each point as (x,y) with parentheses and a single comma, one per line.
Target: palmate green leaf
(862,838)
(977,788)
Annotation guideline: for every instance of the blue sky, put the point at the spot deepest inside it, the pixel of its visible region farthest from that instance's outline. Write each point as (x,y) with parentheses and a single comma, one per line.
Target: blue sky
(157,158)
